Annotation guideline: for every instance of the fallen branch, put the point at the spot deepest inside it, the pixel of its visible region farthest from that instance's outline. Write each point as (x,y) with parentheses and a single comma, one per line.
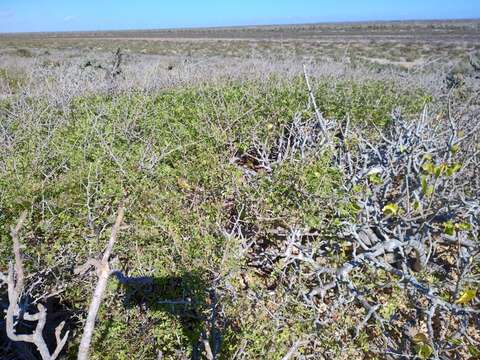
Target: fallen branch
(102,268)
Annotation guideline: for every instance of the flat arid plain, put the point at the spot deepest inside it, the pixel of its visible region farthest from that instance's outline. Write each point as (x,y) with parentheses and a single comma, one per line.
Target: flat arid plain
(268,192)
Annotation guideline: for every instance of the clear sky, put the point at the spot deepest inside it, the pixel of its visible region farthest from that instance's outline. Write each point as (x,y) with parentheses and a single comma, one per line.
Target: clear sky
(65,15)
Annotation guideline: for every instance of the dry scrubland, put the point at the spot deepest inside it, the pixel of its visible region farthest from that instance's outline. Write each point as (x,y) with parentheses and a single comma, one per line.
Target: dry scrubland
(308,192)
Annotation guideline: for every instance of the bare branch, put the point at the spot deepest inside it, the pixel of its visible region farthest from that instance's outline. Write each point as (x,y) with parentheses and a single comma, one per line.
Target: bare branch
(15,283)
(103,272)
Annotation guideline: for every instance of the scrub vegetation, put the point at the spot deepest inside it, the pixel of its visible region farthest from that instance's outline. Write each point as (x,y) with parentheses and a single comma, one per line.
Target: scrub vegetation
(246,200)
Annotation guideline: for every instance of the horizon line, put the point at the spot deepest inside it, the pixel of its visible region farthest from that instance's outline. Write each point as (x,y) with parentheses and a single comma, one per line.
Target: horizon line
(218,27)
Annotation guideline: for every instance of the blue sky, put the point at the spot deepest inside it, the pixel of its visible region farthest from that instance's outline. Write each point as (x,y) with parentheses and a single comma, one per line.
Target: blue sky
(65,15)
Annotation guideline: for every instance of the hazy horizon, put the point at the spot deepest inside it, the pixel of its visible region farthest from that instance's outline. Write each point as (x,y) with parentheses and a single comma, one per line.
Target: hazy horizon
(108,15)
(339,22)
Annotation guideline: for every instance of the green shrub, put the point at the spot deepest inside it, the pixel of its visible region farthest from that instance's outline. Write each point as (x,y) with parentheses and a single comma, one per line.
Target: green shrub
(371,102)
(171,152)
(24,53)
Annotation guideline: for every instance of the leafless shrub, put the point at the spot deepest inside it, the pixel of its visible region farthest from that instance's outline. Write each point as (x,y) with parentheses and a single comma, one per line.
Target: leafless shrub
(18,310)
(417,189)
(415,199)
(72,77)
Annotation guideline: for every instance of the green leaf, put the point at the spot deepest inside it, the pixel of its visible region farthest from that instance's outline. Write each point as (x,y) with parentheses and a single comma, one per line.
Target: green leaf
(375,179)
(456,342)
(453,169)
(390,209)
(416,205)
(429,167)
(449,228)
(424,184)
(424,351)
(428,190)
(467,296)
(474,351)
(357,188)
(464,226)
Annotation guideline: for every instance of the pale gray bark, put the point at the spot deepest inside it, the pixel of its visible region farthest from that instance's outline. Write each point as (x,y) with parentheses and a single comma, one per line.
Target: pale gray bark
(15,282)
(103,272)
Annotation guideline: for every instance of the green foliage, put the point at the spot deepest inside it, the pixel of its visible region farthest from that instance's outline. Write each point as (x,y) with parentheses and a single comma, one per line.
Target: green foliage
(368,102)
(294,192)
(467,296)
(171,152)
(23,52)
(440,170)
(73,167)
(449,228)
(424,351)
(390,209)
